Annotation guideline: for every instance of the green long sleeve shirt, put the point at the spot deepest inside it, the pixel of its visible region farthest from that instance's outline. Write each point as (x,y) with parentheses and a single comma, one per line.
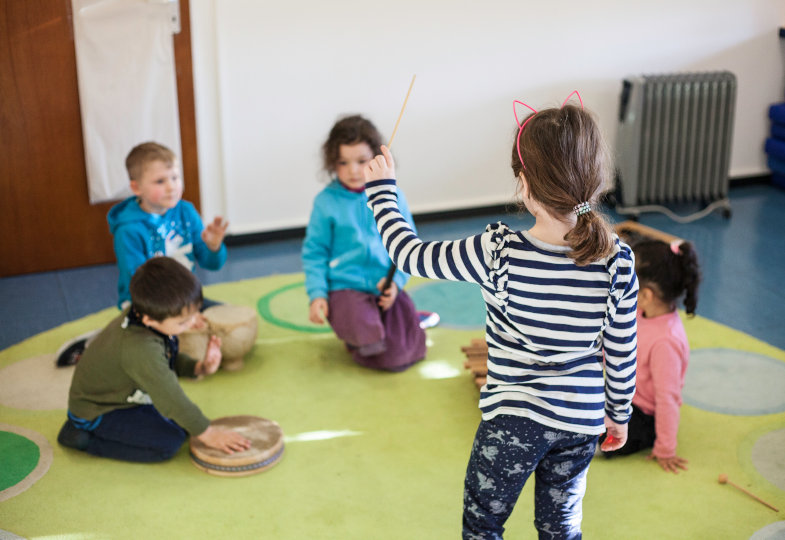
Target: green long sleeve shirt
(125,366)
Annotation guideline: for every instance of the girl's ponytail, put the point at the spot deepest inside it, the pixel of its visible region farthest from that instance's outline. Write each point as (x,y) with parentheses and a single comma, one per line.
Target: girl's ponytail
(671,270)
(564,158)
(591,238)
(690,275)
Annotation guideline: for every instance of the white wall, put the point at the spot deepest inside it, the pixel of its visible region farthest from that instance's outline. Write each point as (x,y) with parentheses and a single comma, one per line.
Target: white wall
(272,77)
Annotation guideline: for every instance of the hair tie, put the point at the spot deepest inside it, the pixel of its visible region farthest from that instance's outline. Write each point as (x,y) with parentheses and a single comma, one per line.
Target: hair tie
(582,208)
(675,247)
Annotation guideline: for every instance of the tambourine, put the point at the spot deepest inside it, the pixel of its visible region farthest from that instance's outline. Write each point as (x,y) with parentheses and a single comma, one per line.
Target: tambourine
(266,449)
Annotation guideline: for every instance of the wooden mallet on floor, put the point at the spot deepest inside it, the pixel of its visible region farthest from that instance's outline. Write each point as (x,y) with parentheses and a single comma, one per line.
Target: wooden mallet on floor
(724,480)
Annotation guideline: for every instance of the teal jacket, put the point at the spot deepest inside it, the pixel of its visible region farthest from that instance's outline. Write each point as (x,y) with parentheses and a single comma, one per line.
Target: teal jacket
(139,236)
(342,248)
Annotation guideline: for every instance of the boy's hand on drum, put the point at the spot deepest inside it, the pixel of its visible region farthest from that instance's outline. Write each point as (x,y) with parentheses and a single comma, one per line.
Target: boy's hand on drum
(213,234)
(318,311)
(224,439)
(381,167)
(387,298)
(212,358)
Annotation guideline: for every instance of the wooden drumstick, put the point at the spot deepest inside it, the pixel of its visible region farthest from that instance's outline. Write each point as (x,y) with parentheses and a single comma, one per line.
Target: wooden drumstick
(724,480)
(391,271)
(403,108)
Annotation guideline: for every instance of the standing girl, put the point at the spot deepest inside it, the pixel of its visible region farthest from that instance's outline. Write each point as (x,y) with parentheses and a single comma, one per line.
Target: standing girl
(558,297)
(665,272)
(345,263)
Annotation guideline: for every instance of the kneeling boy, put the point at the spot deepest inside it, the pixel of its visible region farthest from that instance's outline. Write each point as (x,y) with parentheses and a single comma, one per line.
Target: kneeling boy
(125,401)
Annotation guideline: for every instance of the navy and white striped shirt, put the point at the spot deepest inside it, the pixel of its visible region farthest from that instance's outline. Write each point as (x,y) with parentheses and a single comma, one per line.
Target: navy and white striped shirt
(548,320)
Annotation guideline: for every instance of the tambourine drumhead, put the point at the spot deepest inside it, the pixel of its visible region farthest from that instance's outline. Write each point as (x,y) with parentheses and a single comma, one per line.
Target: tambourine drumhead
(266,449)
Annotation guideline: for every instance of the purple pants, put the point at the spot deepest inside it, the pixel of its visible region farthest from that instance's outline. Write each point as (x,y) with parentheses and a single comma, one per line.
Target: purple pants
(391,340)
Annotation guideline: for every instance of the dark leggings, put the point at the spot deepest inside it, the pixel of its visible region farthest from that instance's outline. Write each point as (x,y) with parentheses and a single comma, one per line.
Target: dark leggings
(506,451)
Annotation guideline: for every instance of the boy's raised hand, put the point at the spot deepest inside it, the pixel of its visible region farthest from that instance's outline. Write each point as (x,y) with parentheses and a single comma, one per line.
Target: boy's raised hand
(227,440)
(212,358)
(213,234)
(381,167)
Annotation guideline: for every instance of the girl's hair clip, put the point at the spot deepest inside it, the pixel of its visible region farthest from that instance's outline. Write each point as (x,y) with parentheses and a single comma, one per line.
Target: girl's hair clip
(521,126)
(675,247)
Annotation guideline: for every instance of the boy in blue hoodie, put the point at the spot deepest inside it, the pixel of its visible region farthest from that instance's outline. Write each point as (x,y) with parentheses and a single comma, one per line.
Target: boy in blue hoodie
(154,222)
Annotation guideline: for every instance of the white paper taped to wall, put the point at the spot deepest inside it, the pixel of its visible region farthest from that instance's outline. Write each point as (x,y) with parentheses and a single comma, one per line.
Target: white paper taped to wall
(127,86)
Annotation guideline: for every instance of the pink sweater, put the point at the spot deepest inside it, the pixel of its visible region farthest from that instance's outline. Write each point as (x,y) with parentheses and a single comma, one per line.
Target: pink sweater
(663,353)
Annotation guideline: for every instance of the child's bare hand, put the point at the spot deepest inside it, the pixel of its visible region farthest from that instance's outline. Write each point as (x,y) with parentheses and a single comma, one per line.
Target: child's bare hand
(381,167)
(617,436)
(387,298)
(212,358)
(671,464)
(318,311)
(213,234)
(224,439)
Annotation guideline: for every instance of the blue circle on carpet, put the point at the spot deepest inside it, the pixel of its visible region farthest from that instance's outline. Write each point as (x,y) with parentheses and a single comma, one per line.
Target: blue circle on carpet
(459,304)
(730,381)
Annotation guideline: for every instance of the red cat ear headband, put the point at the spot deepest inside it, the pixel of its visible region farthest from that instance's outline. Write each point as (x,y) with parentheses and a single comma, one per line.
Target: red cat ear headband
(520,129)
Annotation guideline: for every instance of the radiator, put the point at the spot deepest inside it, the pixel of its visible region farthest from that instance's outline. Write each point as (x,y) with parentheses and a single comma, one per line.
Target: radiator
(674,140)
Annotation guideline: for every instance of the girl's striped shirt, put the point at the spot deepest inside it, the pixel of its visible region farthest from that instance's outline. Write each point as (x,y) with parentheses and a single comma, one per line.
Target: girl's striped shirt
(551,325)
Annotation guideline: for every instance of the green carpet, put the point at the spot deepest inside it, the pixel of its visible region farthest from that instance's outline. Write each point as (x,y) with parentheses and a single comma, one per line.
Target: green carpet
(369,455)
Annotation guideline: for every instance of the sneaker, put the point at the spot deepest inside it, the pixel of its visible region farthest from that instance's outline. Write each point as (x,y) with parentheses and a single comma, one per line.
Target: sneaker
(428,319)
(73,437)
(70,353)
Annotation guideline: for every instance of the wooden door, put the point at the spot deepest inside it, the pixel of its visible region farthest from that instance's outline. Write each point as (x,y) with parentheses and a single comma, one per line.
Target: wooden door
(46,220)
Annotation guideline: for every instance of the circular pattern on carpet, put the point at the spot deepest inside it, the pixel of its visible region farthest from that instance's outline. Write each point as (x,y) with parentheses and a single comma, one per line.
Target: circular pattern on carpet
(459,304)
(35,384)
(768,458)
(287,307)
(773,531)
(730,381)
(28,456)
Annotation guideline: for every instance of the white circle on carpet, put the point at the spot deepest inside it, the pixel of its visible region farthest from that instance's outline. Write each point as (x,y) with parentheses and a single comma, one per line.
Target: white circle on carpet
(730,381)
(35,384)
(768,457)
(773,531)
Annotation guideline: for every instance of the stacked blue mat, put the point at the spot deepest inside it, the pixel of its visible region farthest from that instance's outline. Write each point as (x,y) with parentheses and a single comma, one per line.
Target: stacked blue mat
(775,145)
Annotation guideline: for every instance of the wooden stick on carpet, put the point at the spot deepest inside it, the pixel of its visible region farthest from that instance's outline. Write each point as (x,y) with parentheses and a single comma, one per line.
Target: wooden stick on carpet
(724,480)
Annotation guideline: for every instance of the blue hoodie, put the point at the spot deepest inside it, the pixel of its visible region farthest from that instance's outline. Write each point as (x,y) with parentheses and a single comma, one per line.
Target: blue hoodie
(342,248)
(139,235)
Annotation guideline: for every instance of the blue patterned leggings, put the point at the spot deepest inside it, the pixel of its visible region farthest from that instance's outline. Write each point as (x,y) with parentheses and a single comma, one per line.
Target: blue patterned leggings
(506,450)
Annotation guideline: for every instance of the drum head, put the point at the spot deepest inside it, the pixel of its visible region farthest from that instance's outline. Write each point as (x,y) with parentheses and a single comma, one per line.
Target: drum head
(266,448)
